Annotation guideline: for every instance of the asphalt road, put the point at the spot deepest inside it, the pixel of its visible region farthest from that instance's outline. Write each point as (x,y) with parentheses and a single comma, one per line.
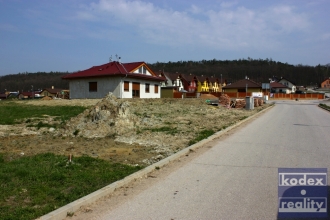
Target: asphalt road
(238,177)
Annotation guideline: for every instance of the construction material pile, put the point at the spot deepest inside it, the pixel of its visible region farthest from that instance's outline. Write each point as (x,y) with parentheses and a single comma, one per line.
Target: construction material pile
(240,103)
(224,99)
(258,102)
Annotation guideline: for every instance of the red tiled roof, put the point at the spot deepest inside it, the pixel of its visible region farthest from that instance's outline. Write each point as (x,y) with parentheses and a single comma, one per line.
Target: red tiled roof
(187,77)
(241,84)
(171,76)
(277,85)
(114,69)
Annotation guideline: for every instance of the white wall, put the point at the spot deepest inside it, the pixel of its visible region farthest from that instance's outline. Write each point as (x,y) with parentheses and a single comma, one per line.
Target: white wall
(143,94)
(79,88)
(288,84)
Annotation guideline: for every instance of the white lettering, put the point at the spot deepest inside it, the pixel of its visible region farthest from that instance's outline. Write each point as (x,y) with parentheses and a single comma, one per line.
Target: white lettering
(290,205)
(319,182)
(302,181)
(299,205)
(319,205)
(310,181)
(293,182)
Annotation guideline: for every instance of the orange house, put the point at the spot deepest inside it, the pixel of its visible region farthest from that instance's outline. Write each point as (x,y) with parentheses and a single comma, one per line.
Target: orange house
(326,84)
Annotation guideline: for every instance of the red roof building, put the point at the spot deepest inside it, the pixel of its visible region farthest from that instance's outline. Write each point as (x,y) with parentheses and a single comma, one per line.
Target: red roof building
(124,80)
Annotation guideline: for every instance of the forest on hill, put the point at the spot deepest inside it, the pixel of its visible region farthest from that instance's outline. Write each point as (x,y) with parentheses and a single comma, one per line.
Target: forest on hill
(37,81)
(259,70)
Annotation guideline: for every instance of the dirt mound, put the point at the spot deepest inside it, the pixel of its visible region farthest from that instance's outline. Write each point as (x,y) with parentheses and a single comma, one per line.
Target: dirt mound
(108,118)
(208,96)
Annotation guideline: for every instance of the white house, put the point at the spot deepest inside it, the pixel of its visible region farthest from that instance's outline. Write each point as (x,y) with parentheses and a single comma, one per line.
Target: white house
(288,84)
(124,80)
(276,87)
(172,79)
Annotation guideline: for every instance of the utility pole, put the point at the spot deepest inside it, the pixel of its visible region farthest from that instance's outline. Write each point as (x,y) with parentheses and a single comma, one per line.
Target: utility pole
(221,82)
(246,88)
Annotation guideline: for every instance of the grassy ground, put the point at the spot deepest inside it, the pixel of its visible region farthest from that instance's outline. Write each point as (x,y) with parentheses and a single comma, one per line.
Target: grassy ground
(32,186)
(13,113)
(35,177)
(36,185)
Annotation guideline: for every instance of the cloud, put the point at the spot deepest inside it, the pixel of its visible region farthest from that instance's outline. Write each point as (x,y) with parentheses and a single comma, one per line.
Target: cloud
(228,4)
(285,19)
(225,28)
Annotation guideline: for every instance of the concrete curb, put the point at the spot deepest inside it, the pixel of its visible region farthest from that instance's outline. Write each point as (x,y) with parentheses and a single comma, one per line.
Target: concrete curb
(320,106)
(62,212)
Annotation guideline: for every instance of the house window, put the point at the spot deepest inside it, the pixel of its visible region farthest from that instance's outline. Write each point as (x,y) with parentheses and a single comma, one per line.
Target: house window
(93,86)
(126,86)
(147,88)
(142,70)
(156,88)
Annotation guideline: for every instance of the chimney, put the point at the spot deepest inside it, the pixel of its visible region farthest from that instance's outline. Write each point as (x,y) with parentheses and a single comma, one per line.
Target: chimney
(52,87)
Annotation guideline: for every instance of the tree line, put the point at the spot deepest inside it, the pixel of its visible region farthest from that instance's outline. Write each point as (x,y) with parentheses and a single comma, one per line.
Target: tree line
(259,70)
(37,81)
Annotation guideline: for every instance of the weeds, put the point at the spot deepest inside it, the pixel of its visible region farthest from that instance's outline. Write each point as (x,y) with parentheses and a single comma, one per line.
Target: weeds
(324,106)
(34,186)
(202,135)
(165,129)
(15,113)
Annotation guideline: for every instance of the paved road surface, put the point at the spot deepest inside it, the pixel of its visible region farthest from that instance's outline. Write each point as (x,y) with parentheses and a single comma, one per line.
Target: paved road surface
(237,178)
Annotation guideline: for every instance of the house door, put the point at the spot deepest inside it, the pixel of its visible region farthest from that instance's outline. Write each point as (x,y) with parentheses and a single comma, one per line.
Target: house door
(136,90)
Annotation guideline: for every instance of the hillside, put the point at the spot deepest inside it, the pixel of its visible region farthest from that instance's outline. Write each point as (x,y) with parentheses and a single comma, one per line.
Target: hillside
(25,81)
(257,70)
(231,71)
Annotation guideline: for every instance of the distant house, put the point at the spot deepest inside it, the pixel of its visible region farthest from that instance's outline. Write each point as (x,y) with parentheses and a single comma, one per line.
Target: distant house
(51,92)
(28,95)
(189,82)
(325,84)
(214,84)
(172,79)
(202,84)
(291,85)
(244,85)
(124,80)
(276,87)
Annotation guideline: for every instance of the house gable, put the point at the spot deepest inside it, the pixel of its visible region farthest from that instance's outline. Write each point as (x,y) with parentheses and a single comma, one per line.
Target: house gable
(142,69)
(289,84)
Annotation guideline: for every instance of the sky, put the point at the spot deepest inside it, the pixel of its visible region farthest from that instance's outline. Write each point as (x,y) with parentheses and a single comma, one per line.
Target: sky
(72,35)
